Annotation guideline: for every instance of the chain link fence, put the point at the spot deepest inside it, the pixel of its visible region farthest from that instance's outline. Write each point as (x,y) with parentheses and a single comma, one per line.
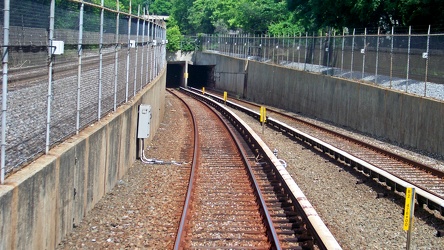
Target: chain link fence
(67,65)
(401,59)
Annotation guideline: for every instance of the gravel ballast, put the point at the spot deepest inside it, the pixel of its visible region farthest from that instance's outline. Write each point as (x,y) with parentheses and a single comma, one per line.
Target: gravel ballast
(143,211)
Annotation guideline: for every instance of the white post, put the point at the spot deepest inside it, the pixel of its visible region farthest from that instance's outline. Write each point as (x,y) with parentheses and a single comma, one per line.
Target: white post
(116,56)
(79,67)
(99,109)
(51,62)
(6,12)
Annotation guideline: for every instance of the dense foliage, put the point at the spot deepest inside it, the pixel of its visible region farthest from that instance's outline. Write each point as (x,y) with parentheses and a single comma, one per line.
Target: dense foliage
(283,17)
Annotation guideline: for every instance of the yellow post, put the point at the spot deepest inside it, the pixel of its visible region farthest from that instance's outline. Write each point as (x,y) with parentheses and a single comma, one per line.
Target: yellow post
(203,90)
(225,97)
(409,210)
(263,117)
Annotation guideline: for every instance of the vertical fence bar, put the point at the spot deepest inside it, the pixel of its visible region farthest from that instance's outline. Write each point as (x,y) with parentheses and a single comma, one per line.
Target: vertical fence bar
(342,51)
(155,49)
(148,42)
(288,48)
(79,71)
(265,48)
(320,52)
(427,62)
(327,49)
(116,55)
(102,12)
(128,54)
(299,49)
(143,49)
(306,47)
(377,56)
(408,59)
(136,65)
(391,56)
(5,61)
(51,63)
(352,54)
(313,45)
(294,43)
(365,51)
(152,51)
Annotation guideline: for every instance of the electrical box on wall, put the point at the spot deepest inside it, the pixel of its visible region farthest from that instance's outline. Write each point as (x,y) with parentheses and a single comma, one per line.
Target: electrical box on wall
(143,130)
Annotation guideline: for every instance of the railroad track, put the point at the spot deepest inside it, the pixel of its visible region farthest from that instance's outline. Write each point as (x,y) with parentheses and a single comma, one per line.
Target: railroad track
(395,171)
(237,199)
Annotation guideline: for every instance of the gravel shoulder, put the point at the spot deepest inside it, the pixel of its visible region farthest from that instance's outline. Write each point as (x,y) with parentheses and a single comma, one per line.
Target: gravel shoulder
(143,210)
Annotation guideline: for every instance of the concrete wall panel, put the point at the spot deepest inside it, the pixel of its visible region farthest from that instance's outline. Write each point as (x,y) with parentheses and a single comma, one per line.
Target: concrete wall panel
(42,202)
(404,119)
(8,206)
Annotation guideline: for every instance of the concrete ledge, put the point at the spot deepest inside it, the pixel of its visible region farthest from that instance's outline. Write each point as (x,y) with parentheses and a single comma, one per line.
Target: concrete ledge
(40,204)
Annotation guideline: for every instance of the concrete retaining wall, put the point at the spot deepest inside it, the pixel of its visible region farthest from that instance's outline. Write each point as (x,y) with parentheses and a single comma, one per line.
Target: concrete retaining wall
(229,73)
(40,204)
(401,118)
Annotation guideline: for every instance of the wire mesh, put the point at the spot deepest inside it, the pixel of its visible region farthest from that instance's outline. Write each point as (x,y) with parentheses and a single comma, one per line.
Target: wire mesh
(73,97)
(393,59)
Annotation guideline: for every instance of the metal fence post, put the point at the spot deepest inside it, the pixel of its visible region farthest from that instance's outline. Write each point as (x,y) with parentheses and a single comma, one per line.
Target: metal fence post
(299,49)
(365,51)
(102,12)
(294,43)
(352,54)
(148,49)
(391,56)
(320,52)
(50,68)
(342,51)
(313,45)
(155,50)
(306,47)
(408,59)
(6,14)
(116,56)
(427,62)
(128,55)
(143,49)
(377,56)
(79,72)
(137,51)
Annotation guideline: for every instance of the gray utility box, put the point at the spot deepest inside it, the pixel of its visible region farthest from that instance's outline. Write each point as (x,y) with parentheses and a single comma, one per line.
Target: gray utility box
(143,130)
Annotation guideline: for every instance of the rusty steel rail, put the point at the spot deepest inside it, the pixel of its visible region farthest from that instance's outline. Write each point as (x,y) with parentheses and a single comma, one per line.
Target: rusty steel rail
(394,178)
(185,212)
(322,236)
(271,232)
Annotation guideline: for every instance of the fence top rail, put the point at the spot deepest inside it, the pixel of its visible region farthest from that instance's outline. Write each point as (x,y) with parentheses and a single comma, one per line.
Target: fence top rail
(311,37)
(143,17)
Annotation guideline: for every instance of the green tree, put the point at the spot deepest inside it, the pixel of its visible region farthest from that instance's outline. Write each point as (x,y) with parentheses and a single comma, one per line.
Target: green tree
(174,37)
(159,7)
(180,12)
(317,14)
(254,16)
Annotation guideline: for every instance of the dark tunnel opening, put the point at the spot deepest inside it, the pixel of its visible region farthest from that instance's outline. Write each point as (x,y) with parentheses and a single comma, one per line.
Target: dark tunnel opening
(174,75)
(198,75)
(201,76)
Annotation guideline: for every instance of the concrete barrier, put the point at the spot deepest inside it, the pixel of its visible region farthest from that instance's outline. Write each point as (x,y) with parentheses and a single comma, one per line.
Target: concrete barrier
(40,204)
(404,119)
